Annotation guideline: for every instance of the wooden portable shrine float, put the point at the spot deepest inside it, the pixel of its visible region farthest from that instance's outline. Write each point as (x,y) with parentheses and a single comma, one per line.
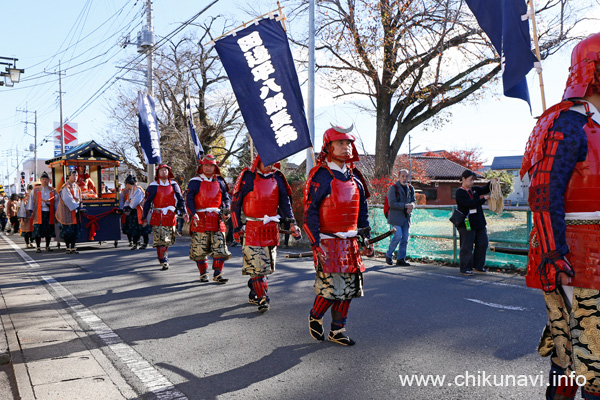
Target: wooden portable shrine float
(99,217)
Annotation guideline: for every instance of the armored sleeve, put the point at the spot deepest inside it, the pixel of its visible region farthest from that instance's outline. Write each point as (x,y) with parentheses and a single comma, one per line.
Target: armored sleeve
(225,196)
(563,146)
(149,199)
(318,187)
(192,191)
(242,188)
(285,205)
(363,210)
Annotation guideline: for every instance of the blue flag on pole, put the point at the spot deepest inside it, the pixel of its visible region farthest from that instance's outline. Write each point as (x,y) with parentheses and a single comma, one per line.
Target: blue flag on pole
(198,149)
(259,64)
(149,136)
(506,24)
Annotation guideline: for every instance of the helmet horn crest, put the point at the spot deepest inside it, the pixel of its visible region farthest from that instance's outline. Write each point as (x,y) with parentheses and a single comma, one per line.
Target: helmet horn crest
(342,130)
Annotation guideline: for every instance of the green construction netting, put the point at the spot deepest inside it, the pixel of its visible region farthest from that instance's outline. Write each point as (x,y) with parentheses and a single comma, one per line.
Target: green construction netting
(431,235)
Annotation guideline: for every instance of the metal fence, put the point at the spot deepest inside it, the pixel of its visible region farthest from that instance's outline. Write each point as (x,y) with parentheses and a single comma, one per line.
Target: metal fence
(434,238)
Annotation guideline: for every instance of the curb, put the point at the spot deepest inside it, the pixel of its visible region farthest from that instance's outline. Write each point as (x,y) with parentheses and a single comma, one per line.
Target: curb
(5,357)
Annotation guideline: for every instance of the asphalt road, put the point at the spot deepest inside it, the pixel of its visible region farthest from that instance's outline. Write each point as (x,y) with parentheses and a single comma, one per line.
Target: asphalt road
(479,333)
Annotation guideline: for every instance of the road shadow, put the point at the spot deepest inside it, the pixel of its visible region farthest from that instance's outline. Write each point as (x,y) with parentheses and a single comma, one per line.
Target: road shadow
(270,365)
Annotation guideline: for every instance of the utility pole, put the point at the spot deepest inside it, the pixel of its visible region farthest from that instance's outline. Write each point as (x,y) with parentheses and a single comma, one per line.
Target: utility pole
(409,161)
(62,125)
(34,137)
(149,73)
(410,149)
(60,93)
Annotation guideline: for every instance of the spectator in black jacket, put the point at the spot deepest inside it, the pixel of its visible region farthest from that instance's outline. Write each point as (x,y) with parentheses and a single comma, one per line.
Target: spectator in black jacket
(469,200)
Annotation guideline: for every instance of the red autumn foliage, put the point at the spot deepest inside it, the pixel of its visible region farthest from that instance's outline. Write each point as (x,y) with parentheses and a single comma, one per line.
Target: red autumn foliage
(470,159)
(380,186)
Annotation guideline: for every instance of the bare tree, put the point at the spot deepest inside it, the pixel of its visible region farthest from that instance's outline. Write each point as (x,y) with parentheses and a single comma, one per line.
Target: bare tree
(415,58)
(181,67)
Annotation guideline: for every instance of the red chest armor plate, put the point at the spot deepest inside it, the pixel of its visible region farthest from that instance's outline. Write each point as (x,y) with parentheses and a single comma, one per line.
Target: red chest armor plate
(165,197)
(583,190)
(262,200)
(209,196)
(339,211)
(582,195)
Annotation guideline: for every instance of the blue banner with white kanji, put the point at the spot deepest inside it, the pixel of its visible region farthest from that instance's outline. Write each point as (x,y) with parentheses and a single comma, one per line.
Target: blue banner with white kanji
(148,126)
(507,25)
(259,64)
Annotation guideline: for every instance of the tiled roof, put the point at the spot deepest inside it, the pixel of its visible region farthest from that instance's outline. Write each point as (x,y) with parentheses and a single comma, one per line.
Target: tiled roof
(507,162)
(441,168)
(435,167)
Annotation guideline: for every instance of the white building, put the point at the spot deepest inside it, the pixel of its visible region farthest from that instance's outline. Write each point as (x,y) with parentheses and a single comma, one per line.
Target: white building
(512,165)
(28,171)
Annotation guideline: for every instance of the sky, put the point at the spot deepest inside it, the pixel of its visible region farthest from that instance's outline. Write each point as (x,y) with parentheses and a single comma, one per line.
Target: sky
(86,36)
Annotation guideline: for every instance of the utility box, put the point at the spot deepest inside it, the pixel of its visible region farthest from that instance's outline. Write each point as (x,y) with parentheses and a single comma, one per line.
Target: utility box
(145,39)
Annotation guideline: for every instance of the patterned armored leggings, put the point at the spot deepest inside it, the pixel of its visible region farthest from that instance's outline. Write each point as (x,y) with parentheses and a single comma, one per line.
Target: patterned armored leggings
(163,236)
(258,260)
(205,244)
(573,339)
(338,286)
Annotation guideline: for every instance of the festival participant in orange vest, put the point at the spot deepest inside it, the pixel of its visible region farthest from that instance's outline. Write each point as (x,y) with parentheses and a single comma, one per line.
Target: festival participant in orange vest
(26,221)
(67,212)
(164,196)
(133,208)
(562,160)
(260,192)
(207,202)
(42,202)
(335,208)
(88,189)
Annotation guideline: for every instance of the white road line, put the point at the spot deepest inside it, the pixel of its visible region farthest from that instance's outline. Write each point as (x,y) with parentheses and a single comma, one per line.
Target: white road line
(459,278)
(152,379)
(494,305)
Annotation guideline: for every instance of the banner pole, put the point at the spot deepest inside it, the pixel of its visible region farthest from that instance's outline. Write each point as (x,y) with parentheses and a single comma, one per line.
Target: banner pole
(190,119)
(537,53)
(310,103)
(281,18)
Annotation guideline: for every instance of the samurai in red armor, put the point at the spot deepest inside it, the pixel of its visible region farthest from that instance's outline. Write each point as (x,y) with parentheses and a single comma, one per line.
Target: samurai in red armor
(335,208)
(562,159)
(263,193)
(207,201)
(164,196)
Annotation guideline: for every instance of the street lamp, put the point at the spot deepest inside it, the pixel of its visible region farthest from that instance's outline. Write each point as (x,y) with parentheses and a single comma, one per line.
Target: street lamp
(12,74)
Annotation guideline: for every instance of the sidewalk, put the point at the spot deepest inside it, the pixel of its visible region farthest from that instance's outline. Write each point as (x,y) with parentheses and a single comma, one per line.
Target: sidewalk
(51,357)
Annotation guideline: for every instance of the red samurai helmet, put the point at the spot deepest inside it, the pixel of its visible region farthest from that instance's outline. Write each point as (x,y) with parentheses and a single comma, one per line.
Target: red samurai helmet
(337,133)
(583,79)
(255,162)
(208,159)
(163,165)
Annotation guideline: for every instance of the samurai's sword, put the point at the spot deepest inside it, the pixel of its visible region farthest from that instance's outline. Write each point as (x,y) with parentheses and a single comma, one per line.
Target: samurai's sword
(365,241)
(509,250)
(380,237)
(300,255)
